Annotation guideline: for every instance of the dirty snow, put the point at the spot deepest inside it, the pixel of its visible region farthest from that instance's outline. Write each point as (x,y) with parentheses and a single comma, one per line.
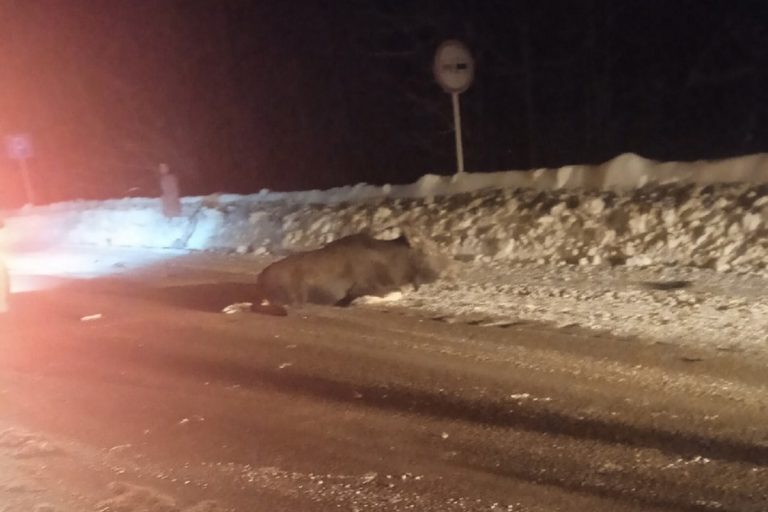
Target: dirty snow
(367,492)
(670,252)
(676,305)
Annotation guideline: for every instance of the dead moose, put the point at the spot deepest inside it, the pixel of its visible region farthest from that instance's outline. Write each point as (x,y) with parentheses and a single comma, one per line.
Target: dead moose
(343,270)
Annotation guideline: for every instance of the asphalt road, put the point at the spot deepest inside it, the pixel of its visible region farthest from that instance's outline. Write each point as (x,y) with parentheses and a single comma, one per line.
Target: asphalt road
(163,403)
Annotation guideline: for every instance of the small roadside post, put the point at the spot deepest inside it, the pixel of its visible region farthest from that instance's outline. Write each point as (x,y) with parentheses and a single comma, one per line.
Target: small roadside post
(454,70)
(19,148)
(5,280)
(169,188)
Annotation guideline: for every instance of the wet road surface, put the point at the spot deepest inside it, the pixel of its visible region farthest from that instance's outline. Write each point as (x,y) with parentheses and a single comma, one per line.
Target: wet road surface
(163,403)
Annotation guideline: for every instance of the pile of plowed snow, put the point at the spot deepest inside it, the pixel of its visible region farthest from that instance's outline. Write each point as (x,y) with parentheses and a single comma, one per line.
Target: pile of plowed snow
(674,215)
(714,226)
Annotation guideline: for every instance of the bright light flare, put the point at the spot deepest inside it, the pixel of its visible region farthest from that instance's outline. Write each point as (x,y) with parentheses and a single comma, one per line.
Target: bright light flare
(43,250)
(47,269)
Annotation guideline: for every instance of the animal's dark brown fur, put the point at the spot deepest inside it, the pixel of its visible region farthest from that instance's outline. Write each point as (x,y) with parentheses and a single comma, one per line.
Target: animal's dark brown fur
(344,270)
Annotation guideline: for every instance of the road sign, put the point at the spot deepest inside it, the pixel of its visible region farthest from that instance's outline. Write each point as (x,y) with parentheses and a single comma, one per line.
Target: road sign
(18,146)
(454,66)
(454,70)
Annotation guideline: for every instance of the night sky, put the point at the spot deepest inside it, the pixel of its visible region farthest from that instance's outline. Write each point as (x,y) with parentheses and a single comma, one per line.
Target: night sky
(237,96)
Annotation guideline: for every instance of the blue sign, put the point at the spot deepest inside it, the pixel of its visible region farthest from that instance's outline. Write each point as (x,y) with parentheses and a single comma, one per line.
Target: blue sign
(19,146)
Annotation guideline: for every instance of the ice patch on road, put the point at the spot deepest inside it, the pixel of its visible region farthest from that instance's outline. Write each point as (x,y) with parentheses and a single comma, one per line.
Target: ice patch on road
(134,498)
(22,444)
(137,498)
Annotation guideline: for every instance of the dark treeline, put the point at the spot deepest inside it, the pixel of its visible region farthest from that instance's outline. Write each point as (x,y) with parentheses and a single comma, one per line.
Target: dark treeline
(240,95)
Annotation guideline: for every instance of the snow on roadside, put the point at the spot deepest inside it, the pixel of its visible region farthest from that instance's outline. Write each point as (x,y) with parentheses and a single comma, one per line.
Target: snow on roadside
(683,306)
(491,215)
(717,226)
(598,246)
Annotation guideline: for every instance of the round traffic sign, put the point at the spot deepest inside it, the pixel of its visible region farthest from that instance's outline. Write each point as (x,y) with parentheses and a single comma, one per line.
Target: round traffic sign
(454,66)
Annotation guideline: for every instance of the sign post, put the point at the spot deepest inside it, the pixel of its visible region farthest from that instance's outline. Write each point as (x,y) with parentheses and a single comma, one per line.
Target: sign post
(454,70)
(19,147)
(5,280)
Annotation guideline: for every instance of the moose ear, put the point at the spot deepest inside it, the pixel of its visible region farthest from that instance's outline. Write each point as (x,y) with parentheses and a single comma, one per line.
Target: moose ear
(406,235)
(403,240)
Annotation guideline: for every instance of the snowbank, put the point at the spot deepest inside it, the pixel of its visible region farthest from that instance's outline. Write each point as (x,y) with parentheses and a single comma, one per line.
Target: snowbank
(714,226)
(629,210)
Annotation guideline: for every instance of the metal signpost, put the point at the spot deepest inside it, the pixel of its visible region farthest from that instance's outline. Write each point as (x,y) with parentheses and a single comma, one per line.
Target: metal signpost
(5,280)
(19,147)
(454,70)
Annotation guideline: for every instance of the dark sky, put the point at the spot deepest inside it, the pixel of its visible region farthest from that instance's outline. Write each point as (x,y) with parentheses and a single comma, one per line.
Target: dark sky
(242,95)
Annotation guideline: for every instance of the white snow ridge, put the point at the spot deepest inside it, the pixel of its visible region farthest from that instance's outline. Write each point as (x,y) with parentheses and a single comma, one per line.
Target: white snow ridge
(671,251)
